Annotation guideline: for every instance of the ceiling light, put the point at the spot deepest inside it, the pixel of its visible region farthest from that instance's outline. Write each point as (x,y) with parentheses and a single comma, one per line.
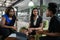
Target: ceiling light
(31,3)
(15,9)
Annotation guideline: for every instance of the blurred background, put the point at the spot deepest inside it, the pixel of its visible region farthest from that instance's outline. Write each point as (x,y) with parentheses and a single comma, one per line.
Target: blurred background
(23,10)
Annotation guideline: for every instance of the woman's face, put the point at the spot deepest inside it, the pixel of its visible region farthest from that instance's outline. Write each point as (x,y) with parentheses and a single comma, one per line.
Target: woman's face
(11,13)
(35,12)
(48,13)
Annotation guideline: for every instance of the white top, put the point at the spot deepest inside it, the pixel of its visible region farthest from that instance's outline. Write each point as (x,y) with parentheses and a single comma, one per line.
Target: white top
(35,20)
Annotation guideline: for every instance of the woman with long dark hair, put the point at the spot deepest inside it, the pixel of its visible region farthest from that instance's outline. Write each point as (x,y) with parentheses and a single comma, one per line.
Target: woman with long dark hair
(7,23)
(54,24)
(35,22)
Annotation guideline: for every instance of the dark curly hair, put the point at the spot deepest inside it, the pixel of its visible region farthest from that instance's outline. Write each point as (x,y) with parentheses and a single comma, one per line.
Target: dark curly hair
(8,9)
(52,7)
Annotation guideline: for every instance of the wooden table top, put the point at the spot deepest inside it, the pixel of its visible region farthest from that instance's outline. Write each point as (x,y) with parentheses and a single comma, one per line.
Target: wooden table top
(11,38)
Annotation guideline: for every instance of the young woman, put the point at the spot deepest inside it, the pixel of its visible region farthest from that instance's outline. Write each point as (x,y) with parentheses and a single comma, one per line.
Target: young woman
(7,23)
(54,24)
(35,22)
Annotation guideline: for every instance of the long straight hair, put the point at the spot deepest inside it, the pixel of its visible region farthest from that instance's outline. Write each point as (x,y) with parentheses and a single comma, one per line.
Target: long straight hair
(32,15)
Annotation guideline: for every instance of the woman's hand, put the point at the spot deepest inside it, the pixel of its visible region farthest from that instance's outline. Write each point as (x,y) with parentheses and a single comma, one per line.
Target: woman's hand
(14,28)
(26,32)
(37,28)
(40,29)
(31,29)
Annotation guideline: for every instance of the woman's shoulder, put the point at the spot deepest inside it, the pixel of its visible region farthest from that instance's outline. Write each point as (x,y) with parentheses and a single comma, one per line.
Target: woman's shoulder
(55,19)
(4,15)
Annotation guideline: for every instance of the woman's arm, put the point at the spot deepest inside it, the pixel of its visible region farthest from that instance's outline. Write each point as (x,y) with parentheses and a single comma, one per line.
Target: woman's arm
(30,29)
(53,34)
(50,34)
(5,26)
(40,28)
(3,23)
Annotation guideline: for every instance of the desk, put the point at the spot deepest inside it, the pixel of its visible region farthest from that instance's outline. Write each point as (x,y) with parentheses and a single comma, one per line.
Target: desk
(11,37)
(17,36)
